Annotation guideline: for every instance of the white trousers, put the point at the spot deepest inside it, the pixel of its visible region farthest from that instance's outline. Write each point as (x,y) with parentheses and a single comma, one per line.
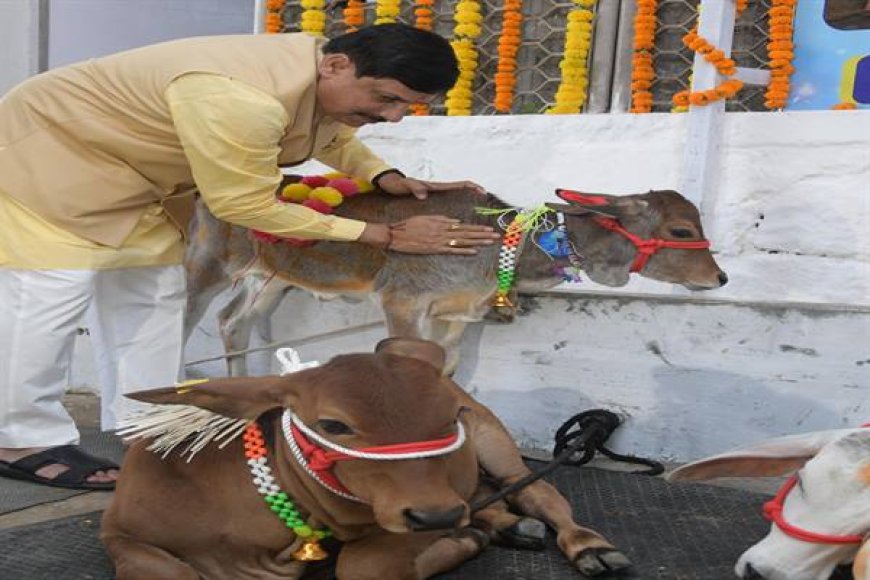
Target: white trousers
(135,317)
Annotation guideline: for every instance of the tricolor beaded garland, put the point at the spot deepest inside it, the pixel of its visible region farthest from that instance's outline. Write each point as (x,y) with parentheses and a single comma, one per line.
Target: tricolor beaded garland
(527,220)
(278,501)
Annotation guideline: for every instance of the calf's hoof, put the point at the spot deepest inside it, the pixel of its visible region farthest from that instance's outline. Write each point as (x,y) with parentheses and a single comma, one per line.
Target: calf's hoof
(598,561)
(526,534)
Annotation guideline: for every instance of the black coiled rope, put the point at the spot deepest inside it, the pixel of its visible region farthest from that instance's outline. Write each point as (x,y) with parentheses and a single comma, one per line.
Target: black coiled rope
(577,441)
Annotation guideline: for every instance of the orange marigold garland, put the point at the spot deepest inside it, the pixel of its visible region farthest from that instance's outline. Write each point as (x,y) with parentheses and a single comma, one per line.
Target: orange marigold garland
(642,71)
(508,47)
(726,66)
(423,21)
(354,15)
(466,31)
(386,11)
(313,19)
(274,19)
(780,49)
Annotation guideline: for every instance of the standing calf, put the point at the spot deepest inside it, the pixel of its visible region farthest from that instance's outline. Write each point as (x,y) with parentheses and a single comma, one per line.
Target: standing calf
(400,518)
(822,520)
(434,297)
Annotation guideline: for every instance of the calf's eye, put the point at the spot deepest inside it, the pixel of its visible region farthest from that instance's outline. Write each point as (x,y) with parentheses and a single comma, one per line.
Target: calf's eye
(334,427)
(682,233)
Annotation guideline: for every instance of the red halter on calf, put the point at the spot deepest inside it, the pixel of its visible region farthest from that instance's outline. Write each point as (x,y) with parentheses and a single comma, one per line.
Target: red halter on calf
(773,512)
(646,247)
(308,446)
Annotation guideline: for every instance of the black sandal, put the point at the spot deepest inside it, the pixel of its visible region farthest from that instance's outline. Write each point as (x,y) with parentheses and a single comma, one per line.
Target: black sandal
(80,464)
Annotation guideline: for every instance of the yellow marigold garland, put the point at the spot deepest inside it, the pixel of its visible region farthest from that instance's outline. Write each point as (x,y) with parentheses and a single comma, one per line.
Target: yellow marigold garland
(466,31)
(354,15)
(423,21)
(726,66)
(571,93)
(274,19)
(642,71)
(780,50)
(508,47)
(313,20)
(386,11)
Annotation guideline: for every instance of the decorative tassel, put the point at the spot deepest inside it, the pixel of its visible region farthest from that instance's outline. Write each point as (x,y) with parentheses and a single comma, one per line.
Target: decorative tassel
(172,425)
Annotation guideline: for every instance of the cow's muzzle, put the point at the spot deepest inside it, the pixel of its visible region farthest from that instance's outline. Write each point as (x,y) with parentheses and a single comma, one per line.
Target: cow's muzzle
(420,520)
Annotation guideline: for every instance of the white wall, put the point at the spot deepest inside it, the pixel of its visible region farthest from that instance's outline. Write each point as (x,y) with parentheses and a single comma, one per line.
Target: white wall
(82,29)
(807,173)
(19,41)
(783,348)
(76,30)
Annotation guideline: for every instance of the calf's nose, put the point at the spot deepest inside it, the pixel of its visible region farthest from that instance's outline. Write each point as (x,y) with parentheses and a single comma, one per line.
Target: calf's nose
(723,278)
(419,520)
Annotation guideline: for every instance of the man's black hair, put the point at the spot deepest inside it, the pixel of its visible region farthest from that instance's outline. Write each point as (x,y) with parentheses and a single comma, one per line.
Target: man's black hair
(422,61)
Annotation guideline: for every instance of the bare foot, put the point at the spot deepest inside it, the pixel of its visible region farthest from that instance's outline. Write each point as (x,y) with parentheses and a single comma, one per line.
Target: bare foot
(53,470)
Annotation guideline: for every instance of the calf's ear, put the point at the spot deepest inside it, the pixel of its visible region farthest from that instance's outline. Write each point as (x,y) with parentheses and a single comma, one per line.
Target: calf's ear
(424,350)
(613,206)
(766,459)
(241,398)
(736,466)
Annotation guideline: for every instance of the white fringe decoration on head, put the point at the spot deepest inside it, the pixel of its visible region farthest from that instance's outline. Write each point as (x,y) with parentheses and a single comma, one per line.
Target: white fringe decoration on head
(172,425)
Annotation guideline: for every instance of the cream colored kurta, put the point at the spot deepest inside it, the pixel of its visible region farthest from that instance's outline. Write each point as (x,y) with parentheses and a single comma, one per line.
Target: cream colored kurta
(234,133)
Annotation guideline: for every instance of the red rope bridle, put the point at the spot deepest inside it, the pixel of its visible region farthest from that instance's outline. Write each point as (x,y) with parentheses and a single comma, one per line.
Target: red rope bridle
(318,455)
(646,247)
(773,512)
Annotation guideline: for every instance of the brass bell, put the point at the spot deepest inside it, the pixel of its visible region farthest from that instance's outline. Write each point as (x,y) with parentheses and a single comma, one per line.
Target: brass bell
(502,301)
(310,552)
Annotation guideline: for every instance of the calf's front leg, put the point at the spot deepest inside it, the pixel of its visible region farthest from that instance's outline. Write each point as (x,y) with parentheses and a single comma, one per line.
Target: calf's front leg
(590,553)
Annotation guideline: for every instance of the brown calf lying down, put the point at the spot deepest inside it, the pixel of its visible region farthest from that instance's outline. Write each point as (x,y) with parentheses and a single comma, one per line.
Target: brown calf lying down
(434,297)
(176,518)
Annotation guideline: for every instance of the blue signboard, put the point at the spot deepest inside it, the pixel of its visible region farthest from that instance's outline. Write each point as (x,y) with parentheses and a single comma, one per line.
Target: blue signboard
(832,54)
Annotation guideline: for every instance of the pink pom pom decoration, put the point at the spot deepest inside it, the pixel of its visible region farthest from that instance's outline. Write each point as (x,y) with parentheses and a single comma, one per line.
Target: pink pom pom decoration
(345,185)
(317,205)
(315,180)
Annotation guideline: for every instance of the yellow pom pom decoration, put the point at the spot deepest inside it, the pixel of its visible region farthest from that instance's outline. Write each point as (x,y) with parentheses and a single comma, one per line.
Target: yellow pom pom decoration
(328,195)
(364,186)
(296,192)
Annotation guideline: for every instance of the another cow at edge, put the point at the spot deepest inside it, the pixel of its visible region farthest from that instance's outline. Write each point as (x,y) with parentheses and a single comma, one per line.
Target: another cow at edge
(434,297)
(820,518)
(179,518)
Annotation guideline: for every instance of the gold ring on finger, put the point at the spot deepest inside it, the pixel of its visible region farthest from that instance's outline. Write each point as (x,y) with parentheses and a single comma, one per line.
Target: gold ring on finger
(453,227)
(453,243)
